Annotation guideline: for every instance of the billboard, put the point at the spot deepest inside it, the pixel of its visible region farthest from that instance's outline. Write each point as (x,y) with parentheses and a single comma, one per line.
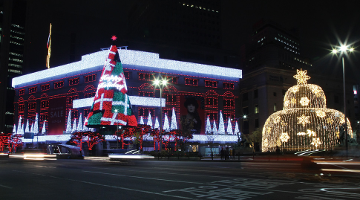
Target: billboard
(57,114)
(192,114)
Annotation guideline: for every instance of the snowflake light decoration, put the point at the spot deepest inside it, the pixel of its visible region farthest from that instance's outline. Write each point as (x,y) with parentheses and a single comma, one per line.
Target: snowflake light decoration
(304,101)
(303,120)
(316,142)
(301,77)
(284,137)
(320,113)
(310,133)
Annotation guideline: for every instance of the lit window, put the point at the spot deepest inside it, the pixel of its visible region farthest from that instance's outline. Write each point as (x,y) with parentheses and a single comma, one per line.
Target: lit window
(90,78)
(256,109)
(58,85)
(74,81)
(32,90)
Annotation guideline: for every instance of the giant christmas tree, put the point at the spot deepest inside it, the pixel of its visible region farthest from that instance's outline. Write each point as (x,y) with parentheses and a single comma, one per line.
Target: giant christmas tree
(111,104)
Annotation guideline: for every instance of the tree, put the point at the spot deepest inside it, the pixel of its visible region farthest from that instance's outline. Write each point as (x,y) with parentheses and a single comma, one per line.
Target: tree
(254,138)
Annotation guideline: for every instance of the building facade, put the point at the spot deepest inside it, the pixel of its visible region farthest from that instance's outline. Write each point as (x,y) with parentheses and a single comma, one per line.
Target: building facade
(53,92)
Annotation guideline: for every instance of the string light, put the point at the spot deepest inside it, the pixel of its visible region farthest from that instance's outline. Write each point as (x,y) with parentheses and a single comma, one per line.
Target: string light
(305,122)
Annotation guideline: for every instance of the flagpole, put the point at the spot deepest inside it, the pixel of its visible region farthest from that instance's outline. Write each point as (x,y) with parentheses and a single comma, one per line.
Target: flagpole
(49,49)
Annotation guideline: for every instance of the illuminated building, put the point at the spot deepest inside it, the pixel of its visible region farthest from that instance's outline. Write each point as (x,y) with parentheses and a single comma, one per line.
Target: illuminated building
(12,39)
(305,122)
(73,86)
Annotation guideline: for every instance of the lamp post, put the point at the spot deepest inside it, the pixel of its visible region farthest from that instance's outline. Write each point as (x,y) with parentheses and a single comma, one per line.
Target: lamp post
(161,83)
(343,49)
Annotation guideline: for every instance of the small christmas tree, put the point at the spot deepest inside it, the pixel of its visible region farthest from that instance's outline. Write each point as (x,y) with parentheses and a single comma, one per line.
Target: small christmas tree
(229,127)
(111,104)
(221,124)
(68,124)
(208,125)
(149,122)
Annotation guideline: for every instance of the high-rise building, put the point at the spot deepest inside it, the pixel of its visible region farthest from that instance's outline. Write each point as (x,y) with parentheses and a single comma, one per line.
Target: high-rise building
(12,18)
(181,30)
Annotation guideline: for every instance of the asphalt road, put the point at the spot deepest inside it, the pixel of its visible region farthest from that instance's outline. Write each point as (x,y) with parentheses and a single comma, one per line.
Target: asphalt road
(85,179)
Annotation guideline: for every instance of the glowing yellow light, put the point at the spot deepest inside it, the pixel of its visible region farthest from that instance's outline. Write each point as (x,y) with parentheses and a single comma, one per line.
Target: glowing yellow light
(316,142)
(294,89)
(293,101)
(310,133)
(301,133)
(303,120)
(342,120)
(320,113)
(304,101)
(301,77)
(265,142)
(284,137)
(329,120)
(277,119)
(337,134)
(286,103)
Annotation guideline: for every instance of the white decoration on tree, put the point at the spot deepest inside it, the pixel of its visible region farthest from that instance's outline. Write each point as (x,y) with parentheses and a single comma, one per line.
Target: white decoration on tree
(214,129)
(221,125)
(149,122)
(85,128)
(237,131)
(43,130)
(19,126)
(73,130)
(80,124)
(68,124)
(208,125)
(141,120)
(229,127)
(173,125)
(14,130)
(157,125)
(27,126)
(36,124)
(166,126)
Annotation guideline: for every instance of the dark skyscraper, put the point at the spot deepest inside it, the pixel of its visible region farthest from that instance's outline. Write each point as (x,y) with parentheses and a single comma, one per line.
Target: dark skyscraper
(12,27)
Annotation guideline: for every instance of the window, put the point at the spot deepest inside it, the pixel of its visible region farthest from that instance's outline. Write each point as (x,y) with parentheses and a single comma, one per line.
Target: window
(274,94)
(71,99)
(171,98)
(74,81)
(211,101)
(171,79)
(228,86)
(90,78)
(74,114)
(44,117)
(256,110)
(58,85)
(256,94)
(127,74)
(21,107)
(32,106)
(213,116)
(32,90)
(228,103)
(145,76)
(191,81)
(45,87)
(209,83)
(229,115)
(275,107)
(146,94)
(145,112)
(21,92)
(89,94)
(44,104)
(245,96)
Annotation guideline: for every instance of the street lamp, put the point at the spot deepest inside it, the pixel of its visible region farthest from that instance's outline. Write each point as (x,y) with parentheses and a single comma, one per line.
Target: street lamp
(342,50)
(161,83)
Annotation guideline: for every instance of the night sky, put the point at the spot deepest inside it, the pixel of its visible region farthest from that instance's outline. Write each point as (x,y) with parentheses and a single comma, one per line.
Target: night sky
(320,24)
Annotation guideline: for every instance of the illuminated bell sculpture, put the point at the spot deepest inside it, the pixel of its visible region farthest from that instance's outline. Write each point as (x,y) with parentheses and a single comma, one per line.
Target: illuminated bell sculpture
(305,123)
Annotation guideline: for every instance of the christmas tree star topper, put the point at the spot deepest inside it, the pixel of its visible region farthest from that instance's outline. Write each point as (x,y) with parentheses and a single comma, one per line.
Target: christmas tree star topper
(113,37)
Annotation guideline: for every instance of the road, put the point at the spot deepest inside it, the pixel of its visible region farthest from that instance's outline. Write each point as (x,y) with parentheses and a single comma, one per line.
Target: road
(86,179)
